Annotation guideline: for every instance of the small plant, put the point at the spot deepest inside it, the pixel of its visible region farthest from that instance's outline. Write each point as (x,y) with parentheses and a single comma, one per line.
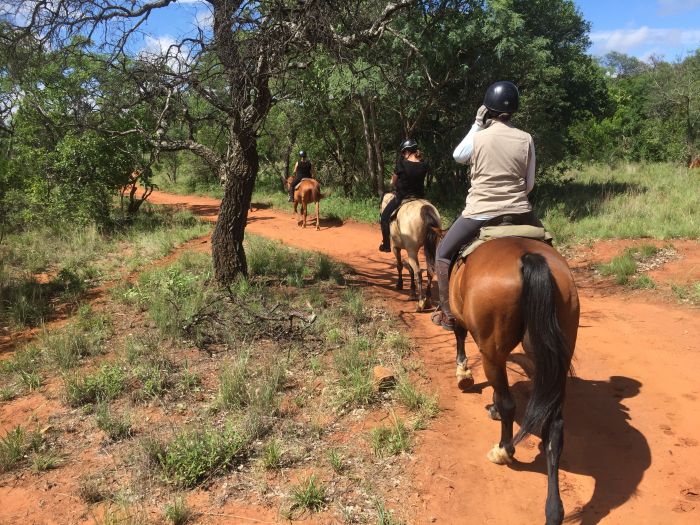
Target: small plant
(15,446)
(91,489)
(189,381)
(178,513)
(116,427)
(399,343)
(106,384)
(415,400)
(7,393)
(336,461)
(233,383)
(355,304)
(315,365)
(622,268)
(689,293)
(309,495)
(353,363)
(272,455)
(384,516)
(42,461)
(391,440)
(195,455)
(644,282)
(31,380)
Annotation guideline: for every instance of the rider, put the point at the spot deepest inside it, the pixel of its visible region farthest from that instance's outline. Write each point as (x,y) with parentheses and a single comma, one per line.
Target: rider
(502,174)
(409,181)
(303,169)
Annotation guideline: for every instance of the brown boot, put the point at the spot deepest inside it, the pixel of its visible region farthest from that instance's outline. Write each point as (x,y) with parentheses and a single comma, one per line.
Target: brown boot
(443,316)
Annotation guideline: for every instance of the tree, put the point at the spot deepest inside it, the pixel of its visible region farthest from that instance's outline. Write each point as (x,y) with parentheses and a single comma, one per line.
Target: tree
(227,77)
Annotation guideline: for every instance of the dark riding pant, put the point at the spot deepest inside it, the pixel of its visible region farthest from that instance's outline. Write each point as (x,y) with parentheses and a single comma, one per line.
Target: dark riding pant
(296,181)
(385,218)
(462,232)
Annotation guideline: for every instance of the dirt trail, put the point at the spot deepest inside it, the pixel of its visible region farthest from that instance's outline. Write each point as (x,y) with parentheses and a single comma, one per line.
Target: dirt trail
(631,453)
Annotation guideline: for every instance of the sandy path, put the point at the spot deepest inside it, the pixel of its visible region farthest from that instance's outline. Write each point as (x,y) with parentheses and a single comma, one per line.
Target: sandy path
(631,452)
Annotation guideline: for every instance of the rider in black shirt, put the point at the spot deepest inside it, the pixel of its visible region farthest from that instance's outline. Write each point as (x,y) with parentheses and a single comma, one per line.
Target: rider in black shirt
(303,169)
(409,180)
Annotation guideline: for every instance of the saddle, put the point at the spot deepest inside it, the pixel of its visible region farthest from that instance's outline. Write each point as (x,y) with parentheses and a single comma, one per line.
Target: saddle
(302,180)
(392,218)
(508,225)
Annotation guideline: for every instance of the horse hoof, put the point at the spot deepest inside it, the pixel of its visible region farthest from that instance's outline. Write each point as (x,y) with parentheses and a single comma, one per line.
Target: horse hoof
(499,456)
(399,285)
(465,383)
(493,412)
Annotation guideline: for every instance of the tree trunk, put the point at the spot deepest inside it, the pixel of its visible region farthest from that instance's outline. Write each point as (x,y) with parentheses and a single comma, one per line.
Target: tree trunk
(238,174)
(377,149)
(371,164)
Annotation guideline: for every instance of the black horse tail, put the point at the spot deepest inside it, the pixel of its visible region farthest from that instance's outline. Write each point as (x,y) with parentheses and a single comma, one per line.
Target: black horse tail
(551,352)
(431,219)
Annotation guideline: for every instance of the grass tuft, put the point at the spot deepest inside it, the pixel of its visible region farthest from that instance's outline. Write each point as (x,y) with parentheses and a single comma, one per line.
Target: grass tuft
(178,513)
(391,440)
(309,495)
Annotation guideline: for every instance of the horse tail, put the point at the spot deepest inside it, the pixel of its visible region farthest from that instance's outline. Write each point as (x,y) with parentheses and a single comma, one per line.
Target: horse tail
(431,219)
(545,337)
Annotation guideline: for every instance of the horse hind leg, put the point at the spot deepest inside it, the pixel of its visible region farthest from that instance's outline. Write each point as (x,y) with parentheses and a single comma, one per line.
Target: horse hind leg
(553,440)
(399,268)
(504,450)
(414,269)
(465,379)
(318,206)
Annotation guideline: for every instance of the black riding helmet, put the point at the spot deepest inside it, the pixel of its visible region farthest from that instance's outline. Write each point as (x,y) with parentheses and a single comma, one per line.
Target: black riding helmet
(502,97)
(408,144)
(302,154)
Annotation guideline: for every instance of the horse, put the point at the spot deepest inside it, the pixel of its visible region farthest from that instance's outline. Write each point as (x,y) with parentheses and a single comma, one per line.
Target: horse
(416,224)
(694,164)
(512,290)
(307,191)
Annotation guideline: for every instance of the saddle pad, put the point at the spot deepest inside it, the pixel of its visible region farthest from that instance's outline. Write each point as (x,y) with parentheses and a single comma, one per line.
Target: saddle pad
(396,211)
(489,233)
(302,180)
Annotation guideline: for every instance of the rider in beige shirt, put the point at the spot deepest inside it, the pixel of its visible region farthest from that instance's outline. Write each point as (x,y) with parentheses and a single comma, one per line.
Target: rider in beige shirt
(502,174)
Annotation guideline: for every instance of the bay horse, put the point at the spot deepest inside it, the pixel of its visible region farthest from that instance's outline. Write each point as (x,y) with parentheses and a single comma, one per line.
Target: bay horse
(512,290)
(308,191)
(416,225)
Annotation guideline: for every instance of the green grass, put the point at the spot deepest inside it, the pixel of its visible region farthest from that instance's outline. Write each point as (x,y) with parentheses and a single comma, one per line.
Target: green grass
(15,446)
(353,363)
(336,461)
(76,259)
(624,267)
(384,516)
(272,455)
(391,440)
(178,513)
(688,293)
(415,400)
(193,456)
(309,495)
(660,201)
(116,426)
(109,382)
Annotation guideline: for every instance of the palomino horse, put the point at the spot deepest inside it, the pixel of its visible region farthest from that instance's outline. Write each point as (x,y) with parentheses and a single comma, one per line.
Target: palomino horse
(308,191)
(415,225)
(513,290)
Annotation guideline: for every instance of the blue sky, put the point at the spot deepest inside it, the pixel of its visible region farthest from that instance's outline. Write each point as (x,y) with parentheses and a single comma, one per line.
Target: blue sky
(668,28)
(643,27)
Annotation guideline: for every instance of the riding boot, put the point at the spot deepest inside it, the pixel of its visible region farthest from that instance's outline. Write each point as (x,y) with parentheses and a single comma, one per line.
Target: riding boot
(386,243)
(442,269)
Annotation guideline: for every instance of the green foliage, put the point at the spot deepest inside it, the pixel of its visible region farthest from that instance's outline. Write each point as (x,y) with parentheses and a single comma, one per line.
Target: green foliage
(391,440)
(624,266)
(193,456)
(353,363)
(15,446)
(272,455)
(415,400)
(109,382)
(309,495)
(117,427)
(178,513)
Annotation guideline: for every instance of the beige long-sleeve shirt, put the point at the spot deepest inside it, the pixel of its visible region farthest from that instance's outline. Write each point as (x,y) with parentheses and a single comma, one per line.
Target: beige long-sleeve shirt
(503,170)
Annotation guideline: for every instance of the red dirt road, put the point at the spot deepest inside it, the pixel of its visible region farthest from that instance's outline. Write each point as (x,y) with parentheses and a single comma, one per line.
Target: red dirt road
(631,448)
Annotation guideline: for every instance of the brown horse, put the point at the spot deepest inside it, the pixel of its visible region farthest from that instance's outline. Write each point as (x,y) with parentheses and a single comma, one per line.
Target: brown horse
(695,163)
(513,290)
(415,226)
(308,191)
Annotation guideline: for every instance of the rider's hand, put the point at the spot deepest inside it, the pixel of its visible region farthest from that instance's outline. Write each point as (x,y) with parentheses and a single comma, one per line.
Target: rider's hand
(481,114)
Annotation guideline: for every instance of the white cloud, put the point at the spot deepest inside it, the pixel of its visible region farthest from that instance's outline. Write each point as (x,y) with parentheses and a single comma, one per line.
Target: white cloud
(674,7)
(643,40)
(204,19)
(190,1)
(158,45)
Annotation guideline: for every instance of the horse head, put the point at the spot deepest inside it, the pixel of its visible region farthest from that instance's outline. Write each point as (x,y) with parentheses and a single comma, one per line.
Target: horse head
(289,182)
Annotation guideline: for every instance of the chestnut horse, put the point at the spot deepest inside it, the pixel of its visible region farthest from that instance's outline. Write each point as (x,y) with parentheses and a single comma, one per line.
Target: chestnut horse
(513,290)
(416,224)
(308,191)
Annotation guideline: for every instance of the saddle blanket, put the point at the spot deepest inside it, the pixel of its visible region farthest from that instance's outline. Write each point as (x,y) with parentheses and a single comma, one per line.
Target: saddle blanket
(489,233)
